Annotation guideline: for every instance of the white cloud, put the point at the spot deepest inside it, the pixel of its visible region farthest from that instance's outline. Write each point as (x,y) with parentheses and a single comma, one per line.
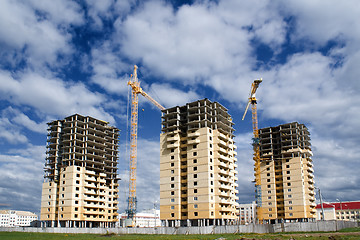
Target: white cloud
(21,187)
(10,133)
(26,36)
(148,175)
(169,96)
(52,96)
(107,68)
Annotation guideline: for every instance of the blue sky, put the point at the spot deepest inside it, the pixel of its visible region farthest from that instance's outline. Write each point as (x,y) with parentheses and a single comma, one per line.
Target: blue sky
(63,57)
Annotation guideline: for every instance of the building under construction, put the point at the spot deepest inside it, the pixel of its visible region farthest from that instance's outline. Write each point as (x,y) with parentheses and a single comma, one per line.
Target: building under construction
(80,187)
(197,165)
(286,172)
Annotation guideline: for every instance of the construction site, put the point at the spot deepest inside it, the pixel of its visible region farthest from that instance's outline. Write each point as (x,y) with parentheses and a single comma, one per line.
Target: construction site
(198,168)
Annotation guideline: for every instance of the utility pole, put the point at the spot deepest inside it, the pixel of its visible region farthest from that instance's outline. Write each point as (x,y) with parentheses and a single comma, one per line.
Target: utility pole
(322,206)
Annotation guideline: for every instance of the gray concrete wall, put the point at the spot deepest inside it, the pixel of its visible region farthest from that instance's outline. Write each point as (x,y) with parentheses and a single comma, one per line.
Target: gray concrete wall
(323,226)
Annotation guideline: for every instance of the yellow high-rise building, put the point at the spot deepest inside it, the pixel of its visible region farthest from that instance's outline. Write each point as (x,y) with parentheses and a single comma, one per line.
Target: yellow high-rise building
(80,186)
(197,165)
(287,175)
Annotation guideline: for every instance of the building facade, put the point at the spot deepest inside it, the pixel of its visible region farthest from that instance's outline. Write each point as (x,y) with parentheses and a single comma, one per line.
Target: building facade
(80,186)
(146,218)
(247,213)
(197,165)
(12,218)
(345,211)
(286,175)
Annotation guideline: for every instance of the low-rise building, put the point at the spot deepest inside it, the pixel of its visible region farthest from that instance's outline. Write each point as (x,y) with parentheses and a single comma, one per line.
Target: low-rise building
(12,218)
(147,218)
(346,211)
(247,213)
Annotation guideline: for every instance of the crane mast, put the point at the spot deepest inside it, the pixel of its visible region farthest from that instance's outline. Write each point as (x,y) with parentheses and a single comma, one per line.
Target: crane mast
(256,146)
(136,89)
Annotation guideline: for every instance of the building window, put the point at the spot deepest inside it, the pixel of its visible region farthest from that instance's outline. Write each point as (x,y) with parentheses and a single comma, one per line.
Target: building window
(290,208)
(270,203)
(290,214)
(211,182)
(195,168)
(195,175)
(195,214)
(194,153)
(77,188)
(210,159)
(290,202)
(289,196)
(287,172)
(172,178)
(195,190)
(211,175)
(210,145)
(63,175)
(268,174)
(76,202)
(63,189)
(211,168)
(172,200)
(195,161)
(269,186)
(212,190)
(172,207)
(172,214)
(289,184)
(172,164)
(195,206)
(76,195)
(172,185)
(62,195)
(269,197)
(288,178)
(289,190)
(210,152)
(212,213)
(267,163)
(172,193)
(195,183)
(268,180)
(287,166)
(270,215)
(194,146)
(270,209)
(172,157)
(63,182)
(269,191)
(195,198)
(268,169)
(172,150)
(77,182)
(172,171)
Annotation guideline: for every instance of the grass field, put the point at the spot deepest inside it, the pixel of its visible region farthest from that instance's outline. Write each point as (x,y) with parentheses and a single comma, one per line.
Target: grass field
(345,234)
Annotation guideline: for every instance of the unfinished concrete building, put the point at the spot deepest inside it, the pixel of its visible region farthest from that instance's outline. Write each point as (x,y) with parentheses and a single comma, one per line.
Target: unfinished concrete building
(197,165)
(80,186)
(287,179)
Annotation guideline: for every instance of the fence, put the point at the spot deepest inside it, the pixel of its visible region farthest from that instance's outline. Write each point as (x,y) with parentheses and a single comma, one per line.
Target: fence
(324,226)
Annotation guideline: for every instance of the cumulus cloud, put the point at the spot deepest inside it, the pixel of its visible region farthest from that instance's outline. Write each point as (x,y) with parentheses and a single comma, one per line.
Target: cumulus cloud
(34,38)
(21,187)
(52,95)
(170,96)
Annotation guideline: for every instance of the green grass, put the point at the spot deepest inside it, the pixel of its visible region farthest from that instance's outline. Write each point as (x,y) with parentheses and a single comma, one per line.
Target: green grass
(279,236)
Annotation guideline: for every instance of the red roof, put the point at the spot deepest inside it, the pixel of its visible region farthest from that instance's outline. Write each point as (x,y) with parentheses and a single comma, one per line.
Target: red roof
(343,206)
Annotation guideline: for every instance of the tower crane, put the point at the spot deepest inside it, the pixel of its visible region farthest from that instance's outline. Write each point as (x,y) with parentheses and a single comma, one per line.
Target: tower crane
(256,146)
(136,89)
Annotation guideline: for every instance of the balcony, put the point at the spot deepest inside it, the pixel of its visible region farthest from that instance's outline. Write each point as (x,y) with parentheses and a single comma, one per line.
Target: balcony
(173,145)
(194,141)
(173,139)
(194,134)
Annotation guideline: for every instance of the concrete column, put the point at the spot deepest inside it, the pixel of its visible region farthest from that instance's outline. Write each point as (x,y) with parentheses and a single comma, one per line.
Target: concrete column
(207,222)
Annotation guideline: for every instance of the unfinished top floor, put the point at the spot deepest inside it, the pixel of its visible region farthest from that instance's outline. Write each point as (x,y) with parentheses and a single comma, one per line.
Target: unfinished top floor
(195,115)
